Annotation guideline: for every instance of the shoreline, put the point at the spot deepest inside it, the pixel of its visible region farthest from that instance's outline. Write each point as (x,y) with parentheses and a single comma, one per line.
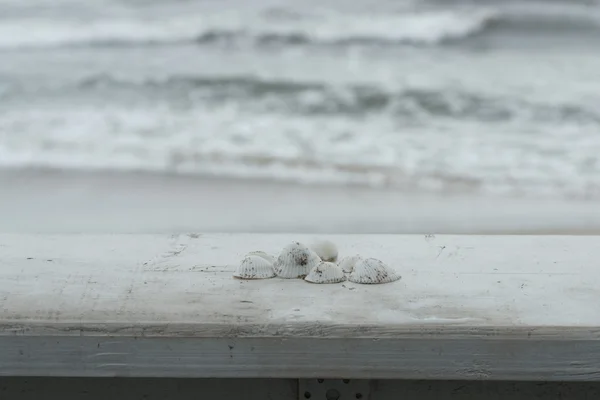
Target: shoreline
(55,201)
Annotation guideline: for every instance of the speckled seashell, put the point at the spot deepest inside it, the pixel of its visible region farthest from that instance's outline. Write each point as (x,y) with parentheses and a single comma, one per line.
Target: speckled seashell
(326,272)
(295,261)
(326,250)
(372,271)
(348,263)
(262,254)
(255,267)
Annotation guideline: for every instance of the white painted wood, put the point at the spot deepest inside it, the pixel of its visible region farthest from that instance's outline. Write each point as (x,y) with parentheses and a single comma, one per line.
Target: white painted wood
(483,307)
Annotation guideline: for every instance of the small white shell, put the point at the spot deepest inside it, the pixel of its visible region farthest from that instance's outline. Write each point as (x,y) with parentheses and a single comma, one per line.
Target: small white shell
(326,272)
(254,267)
(262,254)
(295,261)
(325,249)
(372,270)
(348,263)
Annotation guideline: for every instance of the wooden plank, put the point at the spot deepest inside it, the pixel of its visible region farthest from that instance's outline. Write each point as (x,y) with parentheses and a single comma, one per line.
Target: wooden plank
(468,307)
(35,388)
(28,388)
(403,358)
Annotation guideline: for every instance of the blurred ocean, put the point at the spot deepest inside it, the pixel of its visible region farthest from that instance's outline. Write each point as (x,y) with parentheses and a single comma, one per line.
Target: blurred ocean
(488,97)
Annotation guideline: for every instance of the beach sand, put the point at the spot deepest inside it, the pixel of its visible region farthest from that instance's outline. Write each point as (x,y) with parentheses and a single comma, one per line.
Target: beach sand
(80,202)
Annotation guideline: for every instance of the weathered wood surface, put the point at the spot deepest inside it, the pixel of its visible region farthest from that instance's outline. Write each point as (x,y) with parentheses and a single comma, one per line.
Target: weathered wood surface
(468,307)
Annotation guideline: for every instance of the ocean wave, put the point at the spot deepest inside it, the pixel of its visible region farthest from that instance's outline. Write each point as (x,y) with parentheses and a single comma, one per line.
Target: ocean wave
(433,27)
(421,27)
(259,129)
(317,98)
(482,25)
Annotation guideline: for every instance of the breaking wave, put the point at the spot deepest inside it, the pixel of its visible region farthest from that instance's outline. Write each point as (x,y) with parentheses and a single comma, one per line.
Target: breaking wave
(416,28)
(316,98)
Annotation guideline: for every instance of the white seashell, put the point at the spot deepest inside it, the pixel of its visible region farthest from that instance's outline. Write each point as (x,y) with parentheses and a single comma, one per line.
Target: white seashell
(255,267)
(262,254)
(348,263)
(326,250)
(372,270)
(326,272)
(295,261)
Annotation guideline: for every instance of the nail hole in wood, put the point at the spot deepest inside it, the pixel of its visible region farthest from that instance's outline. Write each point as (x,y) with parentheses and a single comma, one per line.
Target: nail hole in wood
(332,394)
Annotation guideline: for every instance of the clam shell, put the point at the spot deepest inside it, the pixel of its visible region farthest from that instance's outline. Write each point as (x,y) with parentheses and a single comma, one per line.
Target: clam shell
(326,250)
(326,272)
(262,254)
(255,267)
(371,271)
(348,263)
(295,261)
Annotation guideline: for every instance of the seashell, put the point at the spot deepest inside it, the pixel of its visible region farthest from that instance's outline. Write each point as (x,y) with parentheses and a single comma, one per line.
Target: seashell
(372,270)
(295,261)
(348,263)
(326,250)
(262,254)
(254,267)
(326,272)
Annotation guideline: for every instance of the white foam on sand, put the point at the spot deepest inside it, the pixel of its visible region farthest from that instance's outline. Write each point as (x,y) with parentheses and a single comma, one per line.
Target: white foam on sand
(231,142)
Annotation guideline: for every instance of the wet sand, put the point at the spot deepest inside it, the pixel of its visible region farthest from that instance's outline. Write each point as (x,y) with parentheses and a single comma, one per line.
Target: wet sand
(74,202)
